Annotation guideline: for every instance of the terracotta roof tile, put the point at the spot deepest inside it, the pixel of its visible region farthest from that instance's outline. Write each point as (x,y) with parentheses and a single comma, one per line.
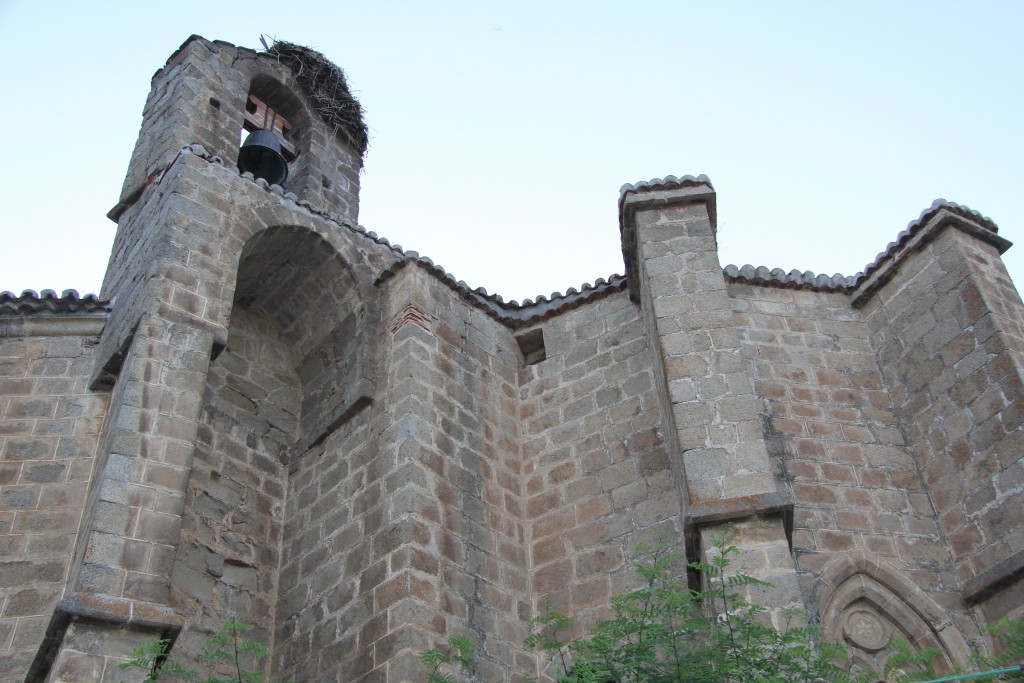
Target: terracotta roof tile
(841,283)
(667,183)
(915,225)
(794,279)
(530,311)
(512,313)
(47,302)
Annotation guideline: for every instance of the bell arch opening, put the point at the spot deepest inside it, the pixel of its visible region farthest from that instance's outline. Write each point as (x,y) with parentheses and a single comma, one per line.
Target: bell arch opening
(273,108)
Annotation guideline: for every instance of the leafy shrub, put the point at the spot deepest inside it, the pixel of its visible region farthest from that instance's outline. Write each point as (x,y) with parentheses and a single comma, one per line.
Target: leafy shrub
(226,649)
(458,654)
(664,631)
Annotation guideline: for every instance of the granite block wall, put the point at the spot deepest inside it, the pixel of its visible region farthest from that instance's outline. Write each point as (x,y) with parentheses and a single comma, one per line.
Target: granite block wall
(597,475)
(708,403)
(947,335)
(285,420)
(228,551)
(402,527)
(839,448)
(837,440)
(50,426)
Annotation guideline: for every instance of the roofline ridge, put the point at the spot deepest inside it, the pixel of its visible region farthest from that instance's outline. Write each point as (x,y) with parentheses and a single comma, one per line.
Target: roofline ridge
(916,225)
(894,251)
(668,181)
(794,279)
(47,301)
(513,313)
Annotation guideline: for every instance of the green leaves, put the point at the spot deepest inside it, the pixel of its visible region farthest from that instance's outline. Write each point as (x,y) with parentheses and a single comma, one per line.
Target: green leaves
(662,632)
(151,658)
(1010,634)
(666,632)
(226,650)
(458,654)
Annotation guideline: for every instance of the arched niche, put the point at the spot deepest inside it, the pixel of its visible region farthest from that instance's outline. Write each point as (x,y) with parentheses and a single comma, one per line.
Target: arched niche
(296,292)
(867,604)
(294,367)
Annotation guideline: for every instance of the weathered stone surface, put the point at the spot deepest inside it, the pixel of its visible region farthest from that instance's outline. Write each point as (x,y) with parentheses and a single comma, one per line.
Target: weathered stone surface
(42,494)
(288,421)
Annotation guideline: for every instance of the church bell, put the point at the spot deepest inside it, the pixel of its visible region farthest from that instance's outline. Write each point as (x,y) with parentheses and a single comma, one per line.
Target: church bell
(261,155)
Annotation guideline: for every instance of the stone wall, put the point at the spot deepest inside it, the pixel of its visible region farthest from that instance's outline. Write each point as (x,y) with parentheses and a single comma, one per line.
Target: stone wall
(325,587)
(597,476)
(50,426)
(453,434)
(838,445)
(837,439)
(708,403)
(156,351)
(403,527)
(947,334)
(381,460)
(288,421)
(229,549)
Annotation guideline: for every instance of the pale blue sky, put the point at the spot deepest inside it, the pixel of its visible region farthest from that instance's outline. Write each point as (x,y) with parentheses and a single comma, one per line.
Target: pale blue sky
(502,131)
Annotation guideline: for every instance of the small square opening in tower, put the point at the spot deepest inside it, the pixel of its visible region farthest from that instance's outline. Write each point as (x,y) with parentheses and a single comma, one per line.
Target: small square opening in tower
(531,346)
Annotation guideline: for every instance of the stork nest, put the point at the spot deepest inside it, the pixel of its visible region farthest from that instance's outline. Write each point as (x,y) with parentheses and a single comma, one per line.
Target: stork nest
(327,88)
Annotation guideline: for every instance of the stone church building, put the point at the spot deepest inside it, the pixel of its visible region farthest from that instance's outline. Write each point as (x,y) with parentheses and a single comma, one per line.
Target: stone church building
(272,415)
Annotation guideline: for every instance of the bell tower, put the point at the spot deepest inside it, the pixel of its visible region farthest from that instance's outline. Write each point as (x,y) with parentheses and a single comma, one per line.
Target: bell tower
(210,93)
(236,266)
(295,111)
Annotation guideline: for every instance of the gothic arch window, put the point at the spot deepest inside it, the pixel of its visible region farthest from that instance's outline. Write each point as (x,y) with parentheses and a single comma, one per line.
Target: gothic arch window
(871,604)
